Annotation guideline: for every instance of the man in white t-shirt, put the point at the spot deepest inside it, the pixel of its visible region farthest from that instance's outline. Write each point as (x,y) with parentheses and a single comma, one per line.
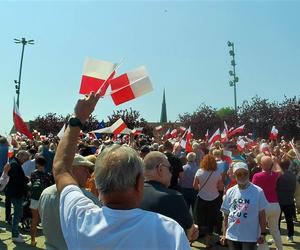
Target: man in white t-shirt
(244,214)
(119,224)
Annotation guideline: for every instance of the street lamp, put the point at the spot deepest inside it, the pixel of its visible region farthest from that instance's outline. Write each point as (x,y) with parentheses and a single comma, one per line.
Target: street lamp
(235,79)
(18,83)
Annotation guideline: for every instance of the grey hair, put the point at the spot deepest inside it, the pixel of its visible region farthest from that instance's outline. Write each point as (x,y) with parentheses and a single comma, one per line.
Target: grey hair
(153,159)
(191,157)
(22,154)
(117,169)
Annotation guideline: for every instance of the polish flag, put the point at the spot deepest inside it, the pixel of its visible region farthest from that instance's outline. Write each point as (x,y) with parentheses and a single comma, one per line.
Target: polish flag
(188,146)
(264,148)
(226,127)
(159,128)
(131,85)
(10,152)
(224,137)
(274,133)
(167,135)
(137,131)
(227,156)
(20,125)
(182,129)
(118,126)
(96,74)
(236,131)
(174,133)
(241,145)
(206,136)
(215,137)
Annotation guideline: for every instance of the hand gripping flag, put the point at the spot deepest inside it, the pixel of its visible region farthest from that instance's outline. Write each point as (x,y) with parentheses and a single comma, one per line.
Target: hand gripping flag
(130,85)
(20,125)
(96,74)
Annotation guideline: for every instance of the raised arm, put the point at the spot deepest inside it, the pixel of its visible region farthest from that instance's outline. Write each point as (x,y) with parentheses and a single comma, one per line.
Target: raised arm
(67,147)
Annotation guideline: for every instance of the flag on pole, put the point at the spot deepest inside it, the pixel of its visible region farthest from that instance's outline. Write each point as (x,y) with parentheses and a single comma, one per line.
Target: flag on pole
(188,146)
(118,126)
(273,134)
(241,145)
(236,131)
(167,135)
(215,137)
(131,85)
(158,128)
(206,136)
(137,131)
(224,137)
(96,74)
(174,133)
(20,125)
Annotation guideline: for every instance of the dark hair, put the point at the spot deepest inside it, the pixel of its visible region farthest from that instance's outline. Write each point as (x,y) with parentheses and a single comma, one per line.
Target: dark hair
(284,164)
(168,145)
(40,160)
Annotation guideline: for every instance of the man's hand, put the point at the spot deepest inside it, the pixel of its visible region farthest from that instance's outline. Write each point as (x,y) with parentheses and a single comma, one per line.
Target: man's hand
(223,240)
(86,106)
(193,233)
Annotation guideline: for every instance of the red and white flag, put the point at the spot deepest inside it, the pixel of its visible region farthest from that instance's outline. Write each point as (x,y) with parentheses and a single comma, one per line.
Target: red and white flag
(96,74)
(118,126)
(264,148)
(241,145)
(215,137)
(227,156)
(137,131)
(158,128)
(20,125)
(131,85)
(206,136)
(273,134)
(167,135)
(225,127)
(224,137)
(174,133)
(236,131)
(182,129)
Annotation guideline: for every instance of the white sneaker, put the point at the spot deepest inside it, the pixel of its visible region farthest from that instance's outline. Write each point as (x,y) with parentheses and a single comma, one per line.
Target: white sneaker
(290,239)
(18,239)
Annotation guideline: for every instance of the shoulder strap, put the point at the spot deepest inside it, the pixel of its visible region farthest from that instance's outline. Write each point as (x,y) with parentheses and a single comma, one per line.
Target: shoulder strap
(206,181)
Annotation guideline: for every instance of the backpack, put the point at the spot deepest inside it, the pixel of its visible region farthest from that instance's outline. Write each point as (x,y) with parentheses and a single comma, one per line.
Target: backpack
(36,189)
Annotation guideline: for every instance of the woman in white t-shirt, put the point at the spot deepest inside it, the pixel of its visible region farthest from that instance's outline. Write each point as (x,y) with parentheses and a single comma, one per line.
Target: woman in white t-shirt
(208,182)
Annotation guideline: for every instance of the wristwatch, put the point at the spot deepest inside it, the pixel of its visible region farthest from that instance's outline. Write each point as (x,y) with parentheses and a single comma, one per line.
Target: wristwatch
(75,122)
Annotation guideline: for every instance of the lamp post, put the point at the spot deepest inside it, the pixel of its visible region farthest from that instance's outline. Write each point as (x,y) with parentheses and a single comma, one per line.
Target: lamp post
(235,79)
(18,83)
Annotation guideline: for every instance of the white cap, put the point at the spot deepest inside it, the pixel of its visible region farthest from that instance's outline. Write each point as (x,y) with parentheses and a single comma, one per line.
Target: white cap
(240,165)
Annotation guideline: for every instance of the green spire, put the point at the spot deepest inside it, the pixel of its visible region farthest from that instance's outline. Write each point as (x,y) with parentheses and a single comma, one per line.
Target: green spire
(163,115)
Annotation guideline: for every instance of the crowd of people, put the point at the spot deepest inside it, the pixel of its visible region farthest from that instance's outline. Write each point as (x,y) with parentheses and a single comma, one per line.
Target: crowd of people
(148,193)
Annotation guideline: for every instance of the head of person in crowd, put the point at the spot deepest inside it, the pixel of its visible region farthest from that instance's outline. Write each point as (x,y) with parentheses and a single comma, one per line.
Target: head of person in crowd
(217,144)
(266,163)
(217,154)
(208,163)
(191,157)
(46,144)
(119,177)
(241,173)
(23,145)
(161,148)
(195,147)
(3,141)
(154,146)
(168,146)
(144,151)
(52,147)
(22,156)
(284,164)
(177,149)
(291,155)
(258,159)
(40,163)
(250,160)
(82,169)
(32,152)
(157,168)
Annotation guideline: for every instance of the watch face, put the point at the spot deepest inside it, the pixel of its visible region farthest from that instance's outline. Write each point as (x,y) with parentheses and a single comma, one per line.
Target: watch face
(75,122)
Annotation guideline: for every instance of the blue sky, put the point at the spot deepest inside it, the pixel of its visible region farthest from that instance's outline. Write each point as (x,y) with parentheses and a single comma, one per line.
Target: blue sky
(183,44)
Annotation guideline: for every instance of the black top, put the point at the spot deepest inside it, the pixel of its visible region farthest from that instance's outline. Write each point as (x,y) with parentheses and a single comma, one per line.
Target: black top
(286,186)
(176,169)
(16,187)
(159,199)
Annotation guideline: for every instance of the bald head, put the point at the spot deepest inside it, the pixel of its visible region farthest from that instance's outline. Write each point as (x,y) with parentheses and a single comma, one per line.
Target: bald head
(266,163)
(153,159)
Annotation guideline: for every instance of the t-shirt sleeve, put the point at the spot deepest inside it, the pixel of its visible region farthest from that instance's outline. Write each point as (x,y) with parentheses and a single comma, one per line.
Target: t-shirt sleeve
(77,215)
(226,204)
(262,201)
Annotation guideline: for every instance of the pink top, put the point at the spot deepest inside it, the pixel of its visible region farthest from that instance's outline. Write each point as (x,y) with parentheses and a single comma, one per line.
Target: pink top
(267,181)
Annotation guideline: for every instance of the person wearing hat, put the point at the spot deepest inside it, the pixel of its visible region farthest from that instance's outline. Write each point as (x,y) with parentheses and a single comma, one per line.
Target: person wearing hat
(243,208)
(49,203)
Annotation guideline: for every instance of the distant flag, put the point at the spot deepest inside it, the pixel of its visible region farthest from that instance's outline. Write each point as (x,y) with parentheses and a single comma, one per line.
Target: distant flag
(227,156)
(264,148)
(273,134)
(10,152)
(241,145)
(224,137)
(137,131)
(167,135)
(131,85)
(20,125)
(206,136)
(118,126)
(100,125)
(225,127)
(215,137)
(174,133)
(158,128)
(96,74)
(236,131)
